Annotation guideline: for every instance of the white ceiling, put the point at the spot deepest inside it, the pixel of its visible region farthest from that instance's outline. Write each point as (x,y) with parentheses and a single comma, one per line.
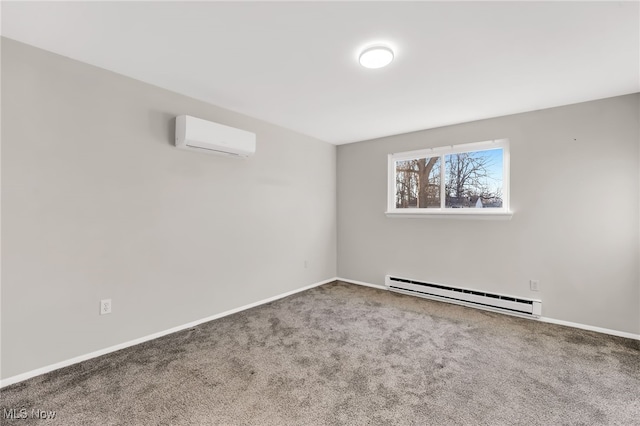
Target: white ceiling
(295,63)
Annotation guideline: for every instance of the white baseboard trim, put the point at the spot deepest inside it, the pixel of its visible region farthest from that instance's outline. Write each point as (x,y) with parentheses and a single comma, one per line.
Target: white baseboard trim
(591,328)
(542,319)
(378,286)
(38,371)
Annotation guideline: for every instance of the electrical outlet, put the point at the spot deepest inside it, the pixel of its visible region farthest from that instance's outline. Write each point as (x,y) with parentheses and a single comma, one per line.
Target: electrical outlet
(105,306)
(534,285)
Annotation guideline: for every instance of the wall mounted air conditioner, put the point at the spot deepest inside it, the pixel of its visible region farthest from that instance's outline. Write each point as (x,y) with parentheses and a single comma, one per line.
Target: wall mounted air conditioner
(206,136)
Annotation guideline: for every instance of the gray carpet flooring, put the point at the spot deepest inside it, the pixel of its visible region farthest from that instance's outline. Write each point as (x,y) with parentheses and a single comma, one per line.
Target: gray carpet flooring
(341,354)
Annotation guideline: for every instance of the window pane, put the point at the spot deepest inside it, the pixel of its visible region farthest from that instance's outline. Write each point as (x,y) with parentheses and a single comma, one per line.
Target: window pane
(474,179)
(418,183)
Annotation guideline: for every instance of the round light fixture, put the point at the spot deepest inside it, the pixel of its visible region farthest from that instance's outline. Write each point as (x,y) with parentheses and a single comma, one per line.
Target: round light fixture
(376,57)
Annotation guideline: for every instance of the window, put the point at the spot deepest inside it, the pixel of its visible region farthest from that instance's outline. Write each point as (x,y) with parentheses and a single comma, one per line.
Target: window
(469,180)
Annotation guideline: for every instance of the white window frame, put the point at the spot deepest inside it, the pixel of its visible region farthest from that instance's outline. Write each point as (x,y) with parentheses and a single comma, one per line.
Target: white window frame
(503,212)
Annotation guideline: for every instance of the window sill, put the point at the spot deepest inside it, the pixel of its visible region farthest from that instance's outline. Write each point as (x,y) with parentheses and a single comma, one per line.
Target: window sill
(467,214)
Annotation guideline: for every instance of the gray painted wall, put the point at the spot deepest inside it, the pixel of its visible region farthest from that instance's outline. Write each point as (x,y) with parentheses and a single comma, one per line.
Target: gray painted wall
(575,193)
(97,203)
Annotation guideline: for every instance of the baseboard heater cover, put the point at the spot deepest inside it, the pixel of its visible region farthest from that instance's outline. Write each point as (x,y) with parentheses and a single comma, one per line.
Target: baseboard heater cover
(463,296)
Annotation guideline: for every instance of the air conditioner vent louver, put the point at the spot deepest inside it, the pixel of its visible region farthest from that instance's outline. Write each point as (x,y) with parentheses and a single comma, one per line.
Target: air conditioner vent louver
(468,297)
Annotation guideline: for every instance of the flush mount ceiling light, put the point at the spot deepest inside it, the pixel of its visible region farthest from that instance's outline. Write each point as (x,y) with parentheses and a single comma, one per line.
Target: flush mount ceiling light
(376,57)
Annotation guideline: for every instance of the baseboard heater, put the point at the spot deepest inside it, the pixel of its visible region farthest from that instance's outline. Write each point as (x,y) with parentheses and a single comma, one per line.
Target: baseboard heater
(463,296)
